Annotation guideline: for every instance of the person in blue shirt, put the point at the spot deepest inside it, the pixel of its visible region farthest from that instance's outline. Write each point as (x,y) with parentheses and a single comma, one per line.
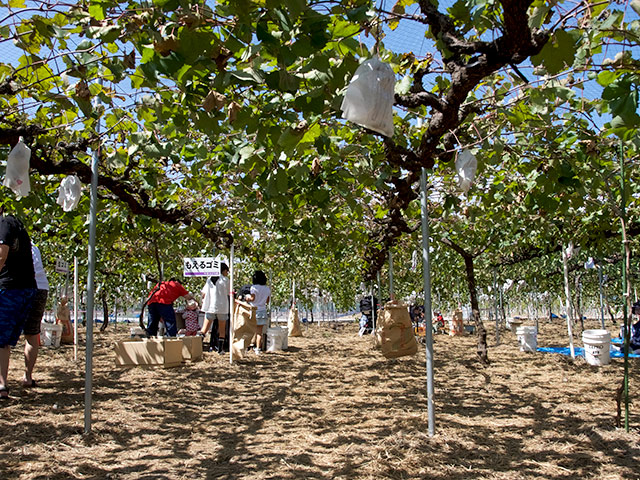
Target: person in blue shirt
(634,340)
(17,288)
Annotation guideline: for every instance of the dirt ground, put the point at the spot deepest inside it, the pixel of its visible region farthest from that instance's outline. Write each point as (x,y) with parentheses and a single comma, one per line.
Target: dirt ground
(331,407)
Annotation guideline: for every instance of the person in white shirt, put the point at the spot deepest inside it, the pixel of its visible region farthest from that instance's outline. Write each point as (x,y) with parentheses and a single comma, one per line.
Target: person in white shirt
(32,324)
(215,304)
(259,297)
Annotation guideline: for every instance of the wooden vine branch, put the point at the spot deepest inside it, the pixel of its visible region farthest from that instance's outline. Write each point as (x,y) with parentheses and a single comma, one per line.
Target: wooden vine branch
(136,199)
(468,63)
(532,253)
(10,136)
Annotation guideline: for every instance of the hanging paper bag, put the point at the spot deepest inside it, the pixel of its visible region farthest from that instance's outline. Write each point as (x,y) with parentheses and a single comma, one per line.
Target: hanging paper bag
(69,193)
(17,174)
(396,331)
(466,165)
(244,328)
(369,98)
(294,323)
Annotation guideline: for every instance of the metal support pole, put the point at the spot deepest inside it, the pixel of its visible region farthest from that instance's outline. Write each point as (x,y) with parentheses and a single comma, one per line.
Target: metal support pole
(601,297)
(427,300)
(625,291)
(373,312)
(495,306)
(567,293)
(88,376)
(75,309)
(232,305)
(390,275)
(502,319)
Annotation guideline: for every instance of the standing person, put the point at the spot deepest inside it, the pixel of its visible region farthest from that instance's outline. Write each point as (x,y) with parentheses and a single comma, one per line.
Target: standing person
(190,317)
(259,298)
(160,305)
(215,304)
(17,288)
(34,319)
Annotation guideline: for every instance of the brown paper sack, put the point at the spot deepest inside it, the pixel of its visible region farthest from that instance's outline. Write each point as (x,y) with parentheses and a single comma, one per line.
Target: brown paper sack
(456,326)
(244,328)
(63,317)
(294,323)
(396,332)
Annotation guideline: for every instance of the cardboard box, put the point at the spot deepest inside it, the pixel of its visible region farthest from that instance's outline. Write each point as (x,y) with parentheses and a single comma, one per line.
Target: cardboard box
(191,348)
(149,352)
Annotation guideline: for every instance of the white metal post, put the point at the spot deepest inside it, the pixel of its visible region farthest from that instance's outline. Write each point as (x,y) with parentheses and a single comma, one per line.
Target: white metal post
(75,309)
(232,306)
(88,376)
(427,301)
(391,275)
(373,312)
(601,297)
(567,293)
(495,306)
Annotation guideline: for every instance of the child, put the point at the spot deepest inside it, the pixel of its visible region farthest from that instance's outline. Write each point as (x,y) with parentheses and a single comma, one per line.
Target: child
(190,317)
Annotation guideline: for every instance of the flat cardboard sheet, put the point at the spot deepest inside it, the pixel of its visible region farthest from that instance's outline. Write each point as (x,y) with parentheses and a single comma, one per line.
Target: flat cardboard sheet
(165,352)
(191,348)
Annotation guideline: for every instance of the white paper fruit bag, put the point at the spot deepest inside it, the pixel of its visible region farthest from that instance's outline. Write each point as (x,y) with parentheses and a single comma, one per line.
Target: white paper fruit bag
(17,174)
(369,98)
(69,193)
(466,165)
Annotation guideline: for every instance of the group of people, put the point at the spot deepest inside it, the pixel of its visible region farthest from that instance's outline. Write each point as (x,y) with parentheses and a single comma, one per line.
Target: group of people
(215,305)
(23,297)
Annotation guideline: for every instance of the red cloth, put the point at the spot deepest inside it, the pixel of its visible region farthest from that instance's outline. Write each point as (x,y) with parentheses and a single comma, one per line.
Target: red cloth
(168,292)
(191,324)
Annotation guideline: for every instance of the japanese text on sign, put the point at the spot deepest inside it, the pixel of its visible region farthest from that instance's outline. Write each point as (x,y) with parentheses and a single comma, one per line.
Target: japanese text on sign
(201,267)
(62,266)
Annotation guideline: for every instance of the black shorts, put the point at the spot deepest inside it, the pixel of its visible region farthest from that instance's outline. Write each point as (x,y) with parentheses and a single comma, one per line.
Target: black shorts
(38,304)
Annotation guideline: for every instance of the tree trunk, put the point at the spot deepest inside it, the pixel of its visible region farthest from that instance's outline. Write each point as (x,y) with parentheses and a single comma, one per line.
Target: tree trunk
(105,312)
(611,313)
(473,295)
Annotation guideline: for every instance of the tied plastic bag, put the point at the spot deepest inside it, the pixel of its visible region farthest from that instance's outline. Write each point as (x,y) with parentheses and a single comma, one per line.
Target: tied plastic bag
(466,165)
(369,98)
(294,323)
(17,175)
(69,193)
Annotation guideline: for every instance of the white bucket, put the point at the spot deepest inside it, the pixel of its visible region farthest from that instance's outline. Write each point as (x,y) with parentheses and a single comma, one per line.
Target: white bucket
(596,347)
(50,334)
(514,324)
(138,332)
(527,338)
(284,335)
(274,340)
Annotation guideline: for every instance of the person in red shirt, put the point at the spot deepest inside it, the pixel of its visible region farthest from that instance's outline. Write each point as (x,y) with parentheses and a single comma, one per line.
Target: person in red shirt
(160,305)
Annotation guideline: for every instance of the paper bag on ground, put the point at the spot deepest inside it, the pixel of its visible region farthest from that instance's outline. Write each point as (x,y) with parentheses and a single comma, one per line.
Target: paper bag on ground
(395,331)
(244,328)
(294,323)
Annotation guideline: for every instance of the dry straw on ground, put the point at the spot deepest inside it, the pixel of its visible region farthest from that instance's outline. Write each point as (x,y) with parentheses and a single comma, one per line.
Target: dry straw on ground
(331,407)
